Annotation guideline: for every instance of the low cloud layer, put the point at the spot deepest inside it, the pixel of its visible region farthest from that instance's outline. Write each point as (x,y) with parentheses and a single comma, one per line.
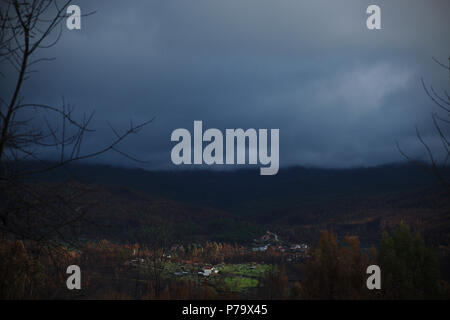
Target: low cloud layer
(340,94)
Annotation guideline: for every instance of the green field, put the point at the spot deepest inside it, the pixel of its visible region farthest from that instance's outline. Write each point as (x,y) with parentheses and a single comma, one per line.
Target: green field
(236,277)
(239,277)
(247,269)
(238,284)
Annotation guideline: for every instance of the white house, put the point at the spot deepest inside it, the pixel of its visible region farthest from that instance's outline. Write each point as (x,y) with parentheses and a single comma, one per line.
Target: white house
(263,248)
(207,271)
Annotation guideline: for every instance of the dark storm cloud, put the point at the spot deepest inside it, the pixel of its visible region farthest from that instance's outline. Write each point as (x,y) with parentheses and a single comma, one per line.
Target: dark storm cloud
(341,95)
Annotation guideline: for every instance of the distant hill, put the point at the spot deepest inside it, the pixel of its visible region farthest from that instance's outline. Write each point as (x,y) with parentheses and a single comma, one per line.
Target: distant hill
(246,192)
(296,203)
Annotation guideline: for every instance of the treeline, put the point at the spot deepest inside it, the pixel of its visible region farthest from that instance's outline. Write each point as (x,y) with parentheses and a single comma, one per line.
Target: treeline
(409,270)
(334,270)
(217,252)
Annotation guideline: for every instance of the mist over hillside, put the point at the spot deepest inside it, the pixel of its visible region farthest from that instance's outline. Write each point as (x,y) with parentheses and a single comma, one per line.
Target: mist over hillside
(246,192)
(236,205)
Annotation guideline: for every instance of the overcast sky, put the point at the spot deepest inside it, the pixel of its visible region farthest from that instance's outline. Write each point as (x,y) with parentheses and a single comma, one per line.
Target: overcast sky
(341,95)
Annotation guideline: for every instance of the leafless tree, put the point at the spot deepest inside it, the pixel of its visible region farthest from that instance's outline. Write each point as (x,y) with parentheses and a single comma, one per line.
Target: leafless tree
(40,212)
(441,123)
(153,244)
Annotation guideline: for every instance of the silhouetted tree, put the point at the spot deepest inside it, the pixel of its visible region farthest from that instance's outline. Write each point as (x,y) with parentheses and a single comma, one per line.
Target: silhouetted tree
(409,270)
(334,273)
(441,122)
(47,214)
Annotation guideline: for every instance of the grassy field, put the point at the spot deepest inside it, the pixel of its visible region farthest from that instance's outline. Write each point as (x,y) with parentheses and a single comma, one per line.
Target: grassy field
(239,284)
(247,269)
(240,277)
(236,277)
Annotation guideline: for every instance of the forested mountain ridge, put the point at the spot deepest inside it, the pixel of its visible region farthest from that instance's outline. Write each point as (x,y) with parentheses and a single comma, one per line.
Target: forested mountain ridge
(237,205)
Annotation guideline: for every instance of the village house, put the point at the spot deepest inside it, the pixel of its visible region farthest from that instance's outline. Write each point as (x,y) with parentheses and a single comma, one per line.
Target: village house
(134,262)
(208,270)
(260,249)
(299,247)
(269,236)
